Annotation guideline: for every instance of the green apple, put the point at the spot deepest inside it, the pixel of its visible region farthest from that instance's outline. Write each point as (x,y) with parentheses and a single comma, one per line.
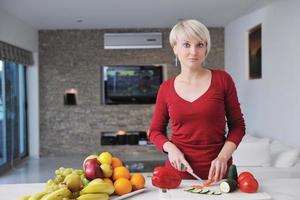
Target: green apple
(107,170)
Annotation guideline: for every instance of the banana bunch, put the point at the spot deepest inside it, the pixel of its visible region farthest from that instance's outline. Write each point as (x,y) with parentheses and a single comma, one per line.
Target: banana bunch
(59,194)
(97,189)
(36,196)
(96,196)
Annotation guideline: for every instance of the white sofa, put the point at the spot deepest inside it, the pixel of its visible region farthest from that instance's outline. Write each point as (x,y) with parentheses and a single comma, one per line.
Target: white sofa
(267,158)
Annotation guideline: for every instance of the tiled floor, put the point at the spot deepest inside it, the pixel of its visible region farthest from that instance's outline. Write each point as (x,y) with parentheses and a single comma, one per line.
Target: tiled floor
(40,170)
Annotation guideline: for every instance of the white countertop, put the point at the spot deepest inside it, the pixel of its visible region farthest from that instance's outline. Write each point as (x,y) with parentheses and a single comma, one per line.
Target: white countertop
(278,189)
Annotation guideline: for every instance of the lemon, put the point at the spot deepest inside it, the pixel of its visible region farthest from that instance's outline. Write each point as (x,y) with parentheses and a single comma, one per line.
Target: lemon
(105,158)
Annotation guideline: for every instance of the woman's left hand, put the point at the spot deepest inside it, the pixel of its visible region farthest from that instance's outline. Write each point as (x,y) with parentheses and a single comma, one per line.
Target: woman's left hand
(218,169)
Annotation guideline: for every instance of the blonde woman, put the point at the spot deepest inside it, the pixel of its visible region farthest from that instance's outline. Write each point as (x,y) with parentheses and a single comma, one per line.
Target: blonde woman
(198,102)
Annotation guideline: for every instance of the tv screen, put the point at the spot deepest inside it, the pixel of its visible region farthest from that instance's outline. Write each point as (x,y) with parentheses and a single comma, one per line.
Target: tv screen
(135,84)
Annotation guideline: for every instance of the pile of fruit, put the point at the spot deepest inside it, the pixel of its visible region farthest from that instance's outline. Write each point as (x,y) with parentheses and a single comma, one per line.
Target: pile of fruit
(101,176)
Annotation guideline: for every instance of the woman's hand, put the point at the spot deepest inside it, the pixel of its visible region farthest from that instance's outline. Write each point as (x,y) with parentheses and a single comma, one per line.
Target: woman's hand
(218,169)
(176,157)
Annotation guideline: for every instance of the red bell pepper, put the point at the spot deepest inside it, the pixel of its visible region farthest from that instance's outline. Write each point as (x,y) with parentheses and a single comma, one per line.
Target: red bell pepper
(166,178)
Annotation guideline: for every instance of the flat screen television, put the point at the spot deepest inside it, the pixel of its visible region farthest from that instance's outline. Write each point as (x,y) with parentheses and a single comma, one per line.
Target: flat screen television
(131,84)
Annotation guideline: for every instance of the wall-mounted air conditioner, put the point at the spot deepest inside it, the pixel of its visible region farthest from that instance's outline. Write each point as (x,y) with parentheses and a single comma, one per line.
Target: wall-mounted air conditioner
(133,40)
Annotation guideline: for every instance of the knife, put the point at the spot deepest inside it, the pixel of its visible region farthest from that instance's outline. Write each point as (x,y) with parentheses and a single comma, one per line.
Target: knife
(194,175)
(190,171)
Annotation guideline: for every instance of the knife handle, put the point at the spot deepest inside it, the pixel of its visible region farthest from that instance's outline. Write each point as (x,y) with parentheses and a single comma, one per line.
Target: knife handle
(182,166)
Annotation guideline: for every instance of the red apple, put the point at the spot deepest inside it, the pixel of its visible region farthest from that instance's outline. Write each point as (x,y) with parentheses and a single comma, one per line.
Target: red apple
(90,162)
(88,158)
(92,169)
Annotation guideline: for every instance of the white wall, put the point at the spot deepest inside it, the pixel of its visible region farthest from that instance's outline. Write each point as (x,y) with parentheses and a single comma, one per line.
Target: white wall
(16,32)
(33,108)
(271,105)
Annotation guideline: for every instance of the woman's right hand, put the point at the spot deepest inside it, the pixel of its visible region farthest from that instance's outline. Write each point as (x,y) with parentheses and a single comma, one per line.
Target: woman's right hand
(176,157)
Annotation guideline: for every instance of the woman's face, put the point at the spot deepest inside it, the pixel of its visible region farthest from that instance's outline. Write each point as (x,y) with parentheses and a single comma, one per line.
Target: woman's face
(190,52)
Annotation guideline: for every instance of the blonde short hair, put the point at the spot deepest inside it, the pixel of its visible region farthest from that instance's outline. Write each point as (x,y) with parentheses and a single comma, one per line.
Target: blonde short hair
(190,28)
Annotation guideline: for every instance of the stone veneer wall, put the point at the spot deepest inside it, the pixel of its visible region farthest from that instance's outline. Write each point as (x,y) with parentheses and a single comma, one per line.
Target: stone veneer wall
(72,59)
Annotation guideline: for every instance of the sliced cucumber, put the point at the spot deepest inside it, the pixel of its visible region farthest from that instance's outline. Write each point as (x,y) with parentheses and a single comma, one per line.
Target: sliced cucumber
(189,189)
(204,191)
(210,192)
(217,193)
(196,191)
(228,186)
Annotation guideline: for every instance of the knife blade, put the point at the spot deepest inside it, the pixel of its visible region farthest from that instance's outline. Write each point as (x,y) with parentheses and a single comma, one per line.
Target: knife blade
(190,171)
(194,175)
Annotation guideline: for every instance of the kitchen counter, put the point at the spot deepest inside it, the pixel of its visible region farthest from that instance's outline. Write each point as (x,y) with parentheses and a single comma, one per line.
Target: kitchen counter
(277,189)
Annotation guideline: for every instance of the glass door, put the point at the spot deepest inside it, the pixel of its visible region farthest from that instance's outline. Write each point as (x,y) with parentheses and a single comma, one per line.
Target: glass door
(3,157)
(13,120)
(11,99)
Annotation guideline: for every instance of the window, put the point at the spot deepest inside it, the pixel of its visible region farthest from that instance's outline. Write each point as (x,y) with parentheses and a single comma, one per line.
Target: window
(255,65)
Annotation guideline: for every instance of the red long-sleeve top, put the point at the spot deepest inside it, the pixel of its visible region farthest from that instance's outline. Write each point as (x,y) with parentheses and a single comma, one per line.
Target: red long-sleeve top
(198,127)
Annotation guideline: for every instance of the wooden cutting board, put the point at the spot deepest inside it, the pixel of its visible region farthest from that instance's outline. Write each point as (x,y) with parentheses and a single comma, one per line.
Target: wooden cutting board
(179,193)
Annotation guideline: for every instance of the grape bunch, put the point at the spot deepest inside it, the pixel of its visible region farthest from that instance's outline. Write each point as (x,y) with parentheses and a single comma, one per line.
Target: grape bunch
(60,175)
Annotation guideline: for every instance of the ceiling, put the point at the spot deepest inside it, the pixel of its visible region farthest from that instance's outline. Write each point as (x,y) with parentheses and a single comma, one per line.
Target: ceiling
(100,14)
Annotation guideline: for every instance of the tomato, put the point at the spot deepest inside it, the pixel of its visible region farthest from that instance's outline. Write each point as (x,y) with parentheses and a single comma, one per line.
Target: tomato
(248,184)
(244,175)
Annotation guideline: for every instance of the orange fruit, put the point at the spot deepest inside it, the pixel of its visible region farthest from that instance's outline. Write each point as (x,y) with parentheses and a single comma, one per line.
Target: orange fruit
(120,172)
(108,180)
(116,162)
(122,186)
(137,181)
